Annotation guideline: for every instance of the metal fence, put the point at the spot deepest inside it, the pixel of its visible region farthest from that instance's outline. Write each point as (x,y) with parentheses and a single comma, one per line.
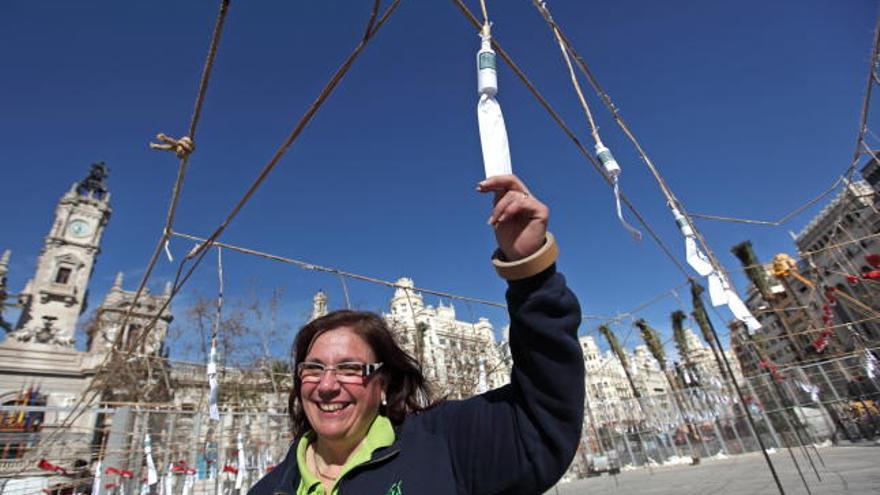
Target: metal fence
(831,401)
(104,448)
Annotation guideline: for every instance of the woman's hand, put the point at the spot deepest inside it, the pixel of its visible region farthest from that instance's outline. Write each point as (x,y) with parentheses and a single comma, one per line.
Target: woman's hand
(519,219)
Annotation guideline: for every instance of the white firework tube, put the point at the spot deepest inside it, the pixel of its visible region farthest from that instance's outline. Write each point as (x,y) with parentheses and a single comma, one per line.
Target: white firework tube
(493,137)
(213,384)
(169,481)
(695,258)
(612,170)
(870,364)
(741,312)
(493,132)
(717,289)
(152,475)
(188,484)
(239,478)
(96,484)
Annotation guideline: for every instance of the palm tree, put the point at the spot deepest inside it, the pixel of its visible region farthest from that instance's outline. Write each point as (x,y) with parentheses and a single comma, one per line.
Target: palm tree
(681,344)
(655,346)
(684,351)
(705,325)
(755,272)
(758,277)
(614,344)
(708,332)
(618,351)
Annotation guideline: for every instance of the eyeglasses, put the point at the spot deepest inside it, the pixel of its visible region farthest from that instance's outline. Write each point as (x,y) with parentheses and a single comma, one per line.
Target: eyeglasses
(347,372)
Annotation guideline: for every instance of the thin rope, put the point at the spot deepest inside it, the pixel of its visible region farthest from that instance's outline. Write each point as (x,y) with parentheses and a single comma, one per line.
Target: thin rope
(303,122)
(783,219)
(866,103)
(175,195)
(181,278)
(345,292)
(336,271)
(614,174)
(198,253)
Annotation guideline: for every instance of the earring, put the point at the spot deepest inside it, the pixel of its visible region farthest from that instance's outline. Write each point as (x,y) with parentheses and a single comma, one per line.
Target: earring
(384,400)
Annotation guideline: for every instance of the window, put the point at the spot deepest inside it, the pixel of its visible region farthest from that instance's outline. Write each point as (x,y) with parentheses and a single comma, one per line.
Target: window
(20,430)
(63,275)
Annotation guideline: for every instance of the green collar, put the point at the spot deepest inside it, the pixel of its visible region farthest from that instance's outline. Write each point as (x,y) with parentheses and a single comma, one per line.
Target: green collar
(380,434)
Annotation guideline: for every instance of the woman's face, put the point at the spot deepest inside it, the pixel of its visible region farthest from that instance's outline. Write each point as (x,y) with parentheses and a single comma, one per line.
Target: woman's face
(341,411)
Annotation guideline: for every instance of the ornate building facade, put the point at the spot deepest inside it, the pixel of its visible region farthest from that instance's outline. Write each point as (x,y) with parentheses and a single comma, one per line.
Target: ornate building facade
(40,366)
(835,248)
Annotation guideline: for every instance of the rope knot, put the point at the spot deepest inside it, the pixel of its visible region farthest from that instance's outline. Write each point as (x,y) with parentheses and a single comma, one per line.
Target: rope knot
(182,147)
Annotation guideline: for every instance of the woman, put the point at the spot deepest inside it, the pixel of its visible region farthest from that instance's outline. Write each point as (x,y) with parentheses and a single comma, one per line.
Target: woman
(358,403)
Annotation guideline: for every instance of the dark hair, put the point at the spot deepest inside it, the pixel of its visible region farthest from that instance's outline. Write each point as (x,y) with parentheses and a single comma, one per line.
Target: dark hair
(406,390)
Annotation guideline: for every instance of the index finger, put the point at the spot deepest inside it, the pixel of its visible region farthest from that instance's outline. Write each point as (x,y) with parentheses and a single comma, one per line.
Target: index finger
(501,183)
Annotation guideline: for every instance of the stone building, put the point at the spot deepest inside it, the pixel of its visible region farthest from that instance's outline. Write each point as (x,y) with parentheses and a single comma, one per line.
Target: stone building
(834,248)
(707,370)
(459,358)
(40,366)
(55,297)
(606,385)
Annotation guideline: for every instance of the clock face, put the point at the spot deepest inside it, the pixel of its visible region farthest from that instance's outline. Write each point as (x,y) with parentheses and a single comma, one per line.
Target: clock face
(79,228)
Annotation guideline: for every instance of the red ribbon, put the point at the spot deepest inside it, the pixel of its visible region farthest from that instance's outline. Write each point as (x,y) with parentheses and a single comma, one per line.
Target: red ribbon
(873,260)
(230,469)
(120,472)
(822,341)
(829,295)
(48,466)
(772,368)
(181,467)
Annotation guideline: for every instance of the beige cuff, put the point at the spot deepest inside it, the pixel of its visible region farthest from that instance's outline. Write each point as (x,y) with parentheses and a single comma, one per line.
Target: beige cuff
(530,265)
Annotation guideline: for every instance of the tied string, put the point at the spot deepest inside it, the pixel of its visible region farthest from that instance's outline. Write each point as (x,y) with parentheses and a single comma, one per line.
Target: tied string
(182,147)
(637,235)
(609,164)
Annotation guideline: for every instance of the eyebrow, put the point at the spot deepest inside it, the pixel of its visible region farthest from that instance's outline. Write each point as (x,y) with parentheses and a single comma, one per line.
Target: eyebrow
(343,360)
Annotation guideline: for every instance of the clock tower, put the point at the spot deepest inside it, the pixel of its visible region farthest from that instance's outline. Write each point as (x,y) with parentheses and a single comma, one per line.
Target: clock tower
(55,297)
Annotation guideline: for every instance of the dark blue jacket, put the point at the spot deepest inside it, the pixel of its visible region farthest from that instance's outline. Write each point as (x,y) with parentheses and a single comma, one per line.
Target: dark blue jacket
(517,439)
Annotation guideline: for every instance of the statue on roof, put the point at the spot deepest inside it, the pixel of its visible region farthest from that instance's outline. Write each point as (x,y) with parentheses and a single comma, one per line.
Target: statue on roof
(94,182)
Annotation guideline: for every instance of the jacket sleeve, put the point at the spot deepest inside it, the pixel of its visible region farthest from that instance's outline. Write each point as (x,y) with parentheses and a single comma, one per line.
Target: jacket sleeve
(521,438)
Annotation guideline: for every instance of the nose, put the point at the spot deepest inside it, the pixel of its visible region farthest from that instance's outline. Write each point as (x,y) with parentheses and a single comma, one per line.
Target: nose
(328,387)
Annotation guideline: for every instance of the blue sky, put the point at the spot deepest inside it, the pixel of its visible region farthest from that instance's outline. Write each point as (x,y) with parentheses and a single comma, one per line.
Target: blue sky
(748,108)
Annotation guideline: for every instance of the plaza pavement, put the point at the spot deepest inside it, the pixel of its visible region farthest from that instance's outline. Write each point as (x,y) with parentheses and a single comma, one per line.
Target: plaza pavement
(847,470)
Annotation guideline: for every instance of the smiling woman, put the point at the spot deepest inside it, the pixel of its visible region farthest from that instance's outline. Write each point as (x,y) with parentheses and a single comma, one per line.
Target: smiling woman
(363,419)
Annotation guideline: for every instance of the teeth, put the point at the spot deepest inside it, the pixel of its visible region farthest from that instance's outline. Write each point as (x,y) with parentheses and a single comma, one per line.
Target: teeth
(331,407)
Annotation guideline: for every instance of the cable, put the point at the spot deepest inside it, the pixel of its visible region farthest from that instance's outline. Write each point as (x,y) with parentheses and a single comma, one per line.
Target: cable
(783,219)
(373,27)
(175,195)
(869,85)
(340,273)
